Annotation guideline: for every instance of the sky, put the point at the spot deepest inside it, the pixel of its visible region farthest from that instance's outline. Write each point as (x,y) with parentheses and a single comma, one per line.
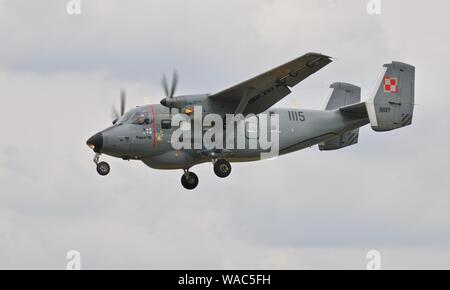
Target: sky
(60,74)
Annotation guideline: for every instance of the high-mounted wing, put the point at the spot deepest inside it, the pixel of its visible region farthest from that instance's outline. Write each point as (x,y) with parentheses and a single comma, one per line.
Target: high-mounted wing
(258,94)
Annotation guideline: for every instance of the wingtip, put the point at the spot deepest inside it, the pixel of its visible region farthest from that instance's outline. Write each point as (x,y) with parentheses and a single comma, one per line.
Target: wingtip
(321,55)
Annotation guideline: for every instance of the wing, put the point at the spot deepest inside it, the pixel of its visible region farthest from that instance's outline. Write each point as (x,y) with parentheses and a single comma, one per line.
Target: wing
(258,94)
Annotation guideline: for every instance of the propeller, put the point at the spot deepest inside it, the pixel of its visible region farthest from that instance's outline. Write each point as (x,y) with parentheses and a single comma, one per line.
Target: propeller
(115,114)
(169,91)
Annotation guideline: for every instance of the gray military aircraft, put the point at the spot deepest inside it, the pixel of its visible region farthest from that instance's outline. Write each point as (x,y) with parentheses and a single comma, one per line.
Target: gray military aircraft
(146,133)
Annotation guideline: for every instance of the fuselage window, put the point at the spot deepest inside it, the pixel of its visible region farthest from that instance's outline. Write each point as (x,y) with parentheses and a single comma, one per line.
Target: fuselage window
(166,124)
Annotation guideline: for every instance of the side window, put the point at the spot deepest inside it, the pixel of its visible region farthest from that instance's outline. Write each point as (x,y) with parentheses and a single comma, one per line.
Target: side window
(166,124)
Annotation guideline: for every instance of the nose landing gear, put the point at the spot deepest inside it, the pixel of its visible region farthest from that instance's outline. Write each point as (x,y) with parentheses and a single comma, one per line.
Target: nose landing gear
(103,168)
(189,180)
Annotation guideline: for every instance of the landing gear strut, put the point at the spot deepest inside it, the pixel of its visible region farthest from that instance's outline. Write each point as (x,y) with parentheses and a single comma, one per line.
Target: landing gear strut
(222,168)
(103,168)
(189,180)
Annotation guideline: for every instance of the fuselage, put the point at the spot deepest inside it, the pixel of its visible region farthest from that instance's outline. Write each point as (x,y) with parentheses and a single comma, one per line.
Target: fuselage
(145,133)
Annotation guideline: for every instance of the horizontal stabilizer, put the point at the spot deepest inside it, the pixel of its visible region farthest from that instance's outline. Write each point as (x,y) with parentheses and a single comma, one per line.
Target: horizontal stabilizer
(344,140)
(358,110)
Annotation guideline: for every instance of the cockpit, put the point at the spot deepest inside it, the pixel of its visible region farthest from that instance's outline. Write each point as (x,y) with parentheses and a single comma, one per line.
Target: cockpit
(139,116)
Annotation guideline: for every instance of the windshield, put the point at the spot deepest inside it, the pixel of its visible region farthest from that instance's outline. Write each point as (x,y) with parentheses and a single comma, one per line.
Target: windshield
(125,117)
(136,117)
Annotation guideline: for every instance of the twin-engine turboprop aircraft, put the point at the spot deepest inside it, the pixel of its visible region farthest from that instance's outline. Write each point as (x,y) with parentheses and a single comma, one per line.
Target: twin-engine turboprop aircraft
(175,133)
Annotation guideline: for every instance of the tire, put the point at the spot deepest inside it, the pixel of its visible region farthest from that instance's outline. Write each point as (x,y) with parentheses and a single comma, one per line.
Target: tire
(103,168)
(190,181)
(222,168)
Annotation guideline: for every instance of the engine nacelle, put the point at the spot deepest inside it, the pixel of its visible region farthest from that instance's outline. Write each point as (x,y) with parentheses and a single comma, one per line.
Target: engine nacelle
(184,101)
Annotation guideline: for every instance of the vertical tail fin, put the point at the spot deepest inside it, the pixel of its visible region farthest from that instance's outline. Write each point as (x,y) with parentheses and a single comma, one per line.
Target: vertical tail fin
(342,94)
(392,104)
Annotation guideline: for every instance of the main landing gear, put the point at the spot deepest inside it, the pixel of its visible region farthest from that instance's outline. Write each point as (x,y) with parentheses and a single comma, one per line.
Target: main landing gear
(189,180)
(222,168)
(103,168)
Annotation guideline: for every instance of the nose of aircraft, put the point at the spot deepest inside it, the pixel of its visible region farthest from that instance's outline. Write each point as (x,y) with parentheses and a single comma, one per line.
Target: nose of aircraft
(96,142)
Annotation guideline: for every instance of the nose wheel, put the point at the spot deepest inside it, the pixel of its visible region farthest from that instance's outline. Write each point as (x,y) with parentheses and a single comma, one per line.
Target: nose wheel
(103,168)
(189,180)
(222,168)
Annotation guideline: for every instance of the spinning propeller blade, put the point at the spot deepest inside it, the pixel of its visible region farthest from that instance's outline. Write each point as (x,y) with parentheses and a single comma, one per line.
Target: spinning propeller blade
(174,84)
(115,113)
(123,97)
(169,92)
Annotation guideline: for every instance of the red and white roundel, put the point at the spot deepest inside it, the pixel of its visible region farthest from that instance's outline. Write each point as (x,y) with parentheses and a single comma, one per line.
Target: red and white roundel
(390,85)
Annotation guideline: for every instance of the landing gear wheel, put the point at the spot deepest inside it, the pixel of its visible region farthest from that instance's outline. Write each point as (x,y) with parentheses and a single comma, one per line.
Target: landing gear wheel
(189,180)
(103,168)
(222,168)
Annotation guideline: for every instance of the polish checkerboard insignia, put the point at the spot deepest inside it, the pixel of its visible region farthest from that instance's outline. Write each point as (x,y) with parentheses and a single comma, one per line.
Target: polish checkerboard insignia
(391,85)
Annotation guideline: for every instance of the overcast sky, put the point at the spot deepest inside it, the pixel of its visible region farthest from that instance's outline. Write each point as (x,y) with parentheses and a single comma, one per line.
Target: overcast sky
(60,74)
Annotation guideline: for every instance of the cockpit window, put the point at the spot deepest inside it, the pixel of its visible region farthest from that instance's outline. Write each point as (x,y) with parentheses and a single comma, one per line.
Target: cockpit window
(125,118)
(136,117)
(141,118)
